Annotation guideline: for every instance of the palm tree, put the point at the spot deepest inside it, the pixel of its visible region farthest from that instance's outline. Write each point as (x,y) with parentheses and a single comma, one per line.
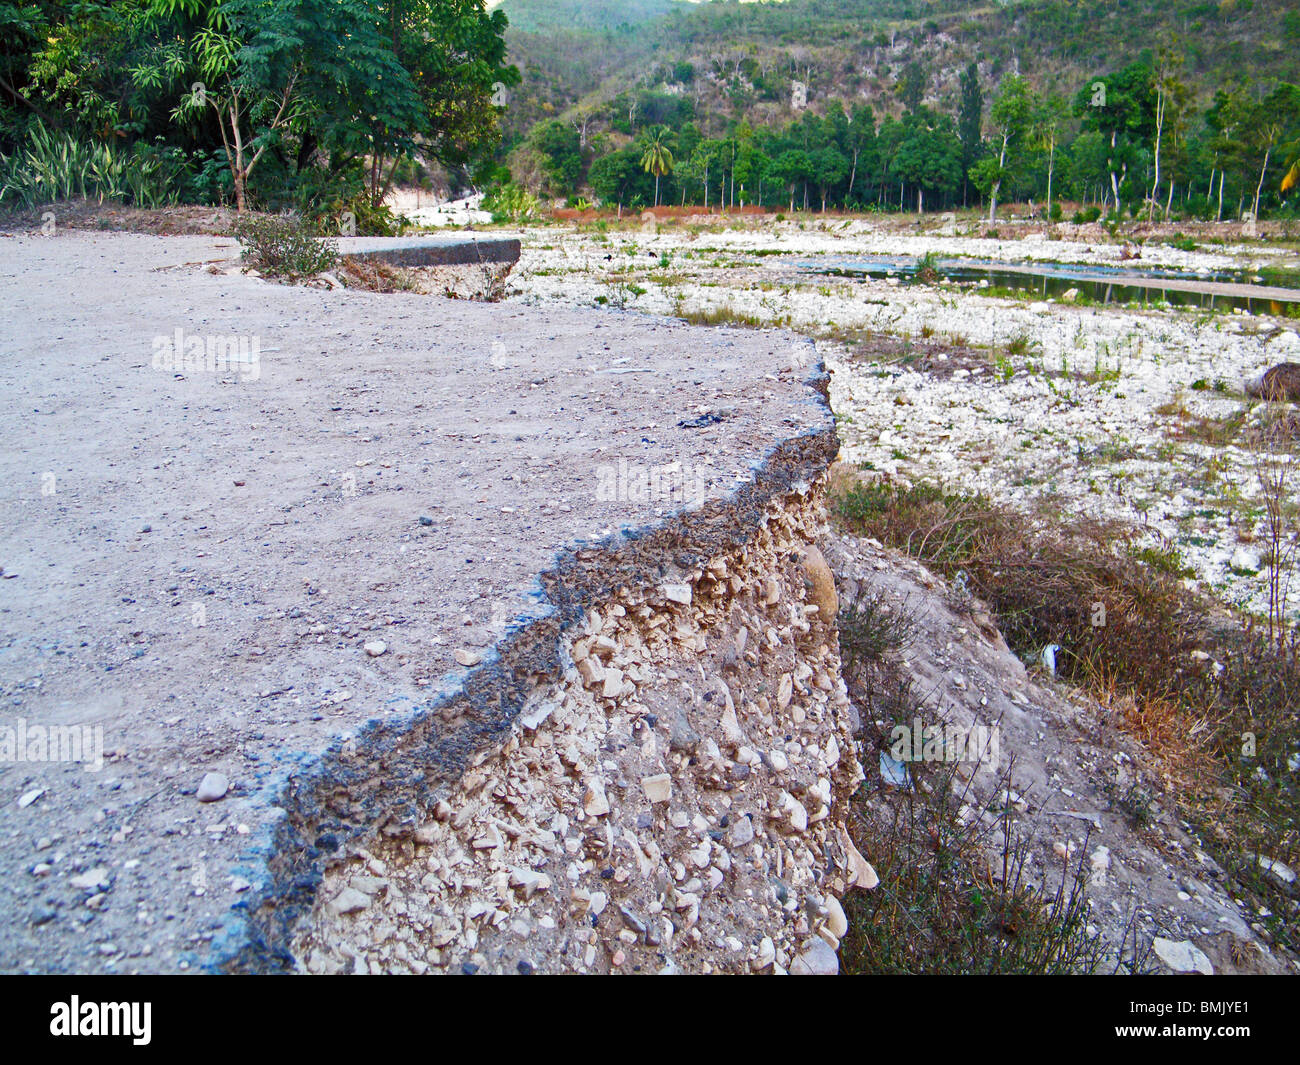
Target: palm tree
(657,159)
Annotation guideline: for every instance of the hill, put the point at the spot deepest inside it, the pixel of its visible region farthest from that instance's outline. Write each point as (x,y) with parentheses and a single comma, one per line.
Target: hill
(738,60)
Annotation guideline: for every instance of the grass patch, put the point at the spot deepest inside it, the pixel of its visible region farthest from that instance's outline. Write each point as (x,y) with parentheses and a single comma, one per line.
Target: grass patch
(1213,703)
(717,316)
(954,896)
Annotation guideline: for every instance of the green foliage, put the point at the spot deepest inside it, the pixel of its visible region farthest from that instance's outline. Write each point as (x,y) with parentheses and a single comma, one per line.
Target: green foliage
(511,203)
(284,246)
(55,166)
(558,144)
(279,88)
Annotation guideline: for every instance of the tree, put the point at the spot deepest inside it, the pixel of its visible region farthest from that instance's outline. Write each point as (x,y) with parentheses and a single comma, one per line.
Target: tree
(1048,125)
(911,86)
(618,177)
(702,160)
(970,122)
(1171,95)
(1121,107)
(657,157)
(790,168)
(1010,116)
(860,141)
(247,77)
(829,167)
(372,78)
(1269,125)
(560,145)
(929,155)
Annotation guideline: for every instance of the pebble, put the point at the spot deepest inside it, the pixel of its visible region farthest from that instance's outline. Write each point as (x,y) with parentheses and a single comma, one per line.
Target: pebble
(467,658)
(741,832)
(594,802)
(213,787)
(375,648)
(92,879)
(677,593)
(836,920)
(658,788)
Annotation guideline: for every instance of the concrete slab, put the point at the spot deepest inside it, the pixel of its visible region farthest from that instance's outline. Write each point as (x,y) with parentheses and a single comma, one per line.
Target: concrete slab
(442,249)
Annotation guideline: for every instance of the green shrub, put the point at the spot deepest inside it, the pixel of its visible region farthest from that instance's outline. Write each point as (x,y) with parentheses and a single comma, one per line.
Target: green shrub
(511,203)
(284,246)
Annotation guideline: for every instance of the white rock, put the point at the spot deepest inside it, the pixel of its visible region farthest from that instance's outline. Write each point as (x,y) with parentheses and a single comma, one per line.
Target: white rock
(212,787)
(677,593)
(375,648)
(861,873)
(1099,866)
(836,920)
(467,658)
(816,959)
(741,832)
(613,683)
(795,811)
(28,797)
(529,881)
(594,802)
(1277,868)
(1182,956)
(1244,559)
(350,900)
(658,788)
(91,879)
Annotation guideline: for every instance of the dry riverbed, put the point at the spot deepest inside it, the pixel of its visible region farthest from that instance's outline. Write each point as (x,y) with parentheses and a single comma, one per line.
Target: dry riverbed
(1130,411)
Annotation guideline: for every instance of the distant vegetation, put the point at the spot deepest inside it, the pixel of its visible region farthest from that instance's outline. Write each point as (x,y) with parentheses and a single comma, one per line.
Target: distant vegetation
(908,104)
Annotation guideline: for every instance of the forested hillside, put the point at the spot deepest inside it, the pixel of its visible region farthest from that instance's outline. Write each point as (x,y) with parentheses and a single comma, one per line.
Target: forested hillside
(808,76)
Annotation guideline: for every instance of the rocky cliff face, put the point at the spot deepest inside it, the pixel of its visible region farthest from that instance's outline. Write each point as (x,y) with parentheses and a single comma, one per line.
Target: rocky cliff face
(672,801)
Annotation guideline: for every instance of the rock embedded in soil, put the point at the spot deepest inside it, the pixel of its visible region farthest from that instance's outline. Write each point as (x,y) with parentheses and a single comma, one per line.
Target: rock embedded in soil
(212,787)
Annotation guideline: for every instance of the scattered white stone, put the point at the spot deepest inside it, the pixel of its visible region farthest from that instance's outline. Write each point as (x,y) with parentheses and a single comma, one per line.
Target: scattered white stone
(1277,868)
(1099,866)
(212,787)
(529,881)
(28,797)
(1245,560)
(375,648)
(836,920)
(91,879)
(467,658)
(594,801)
